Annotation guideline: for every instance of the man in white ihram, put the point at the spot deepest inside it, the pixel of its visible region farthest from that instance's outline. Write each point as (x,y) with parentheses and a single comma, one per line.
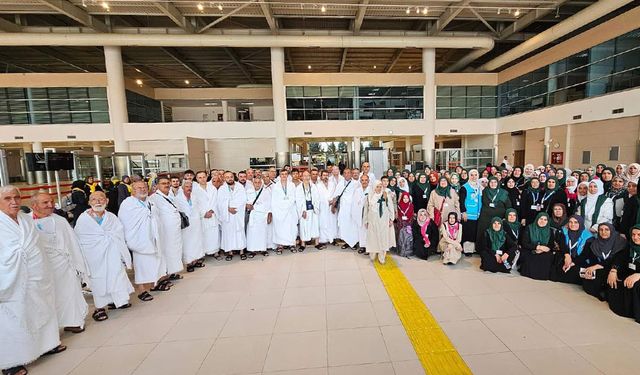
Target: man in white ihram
(259,207)
(283,209)
(205,198)
(28,322)
(101,238)
(347,231)
(360,194)
(232,200)
(60,245)
(169,228)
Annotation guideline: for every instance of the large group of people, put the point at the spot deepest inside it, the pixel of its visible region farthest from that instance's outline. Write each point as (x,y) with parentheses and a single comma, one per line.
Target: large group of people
(579,227)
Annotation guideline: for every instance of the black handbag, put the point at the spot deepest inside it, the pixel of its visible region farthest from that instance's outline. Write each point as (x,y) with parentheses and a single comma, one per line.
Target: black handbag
(184,218)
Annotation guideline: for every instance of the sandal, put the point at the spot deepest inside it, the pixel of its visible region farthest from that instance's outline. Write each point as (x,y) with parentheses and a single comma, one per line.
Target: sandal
(301,248)
(100,315)
(265,253)
(74,329)
(113,306)
(321,246)
(161,287)
(18,370)
(362,250)
(191,268)
(199,264)
(228,258)
(243,256)
(279,251)
(145,296)
(345,246)
(175,276)
(293,249)
(58,349)
(251,255)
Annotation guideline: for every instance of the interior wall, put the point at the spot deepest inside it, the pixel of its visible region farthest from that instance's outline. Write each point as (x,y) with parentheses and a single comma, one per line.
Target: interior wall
(195,150)
(479,141)
(599,136)
(505,146)
(171,146)
(210,114)
(234,154)
(534,147)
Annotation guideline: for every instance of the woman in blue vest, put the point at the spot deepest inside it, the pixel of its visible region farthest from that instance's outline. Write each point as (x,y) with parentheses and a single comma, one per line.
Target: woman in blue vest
(470,203)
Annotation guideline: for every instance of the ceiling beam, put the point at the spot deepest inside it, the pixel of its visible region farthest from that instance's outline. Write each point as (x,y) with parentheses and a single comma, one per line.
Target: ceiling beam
(9,26)
(362,10)
(220,19)
(526,20)
(236,60)
(394,60)
(177,56)
(142,69)
(170,10)
(60,57)
(487,24)
(343,60)
(78,14)
(447,16)
(266,10)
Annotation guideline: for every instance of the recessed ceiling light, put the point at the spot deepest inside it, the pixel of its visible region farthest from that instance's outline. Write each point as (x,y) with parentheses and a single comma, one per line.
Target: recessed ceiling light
(220,7)
(517,13)
(375,67)
(247,103)
(139,82)
(408,10)
(186,81)
(211,103)
(410,67)
(200,7)
(309,67)
(425,10)
(323,9)
(105,5)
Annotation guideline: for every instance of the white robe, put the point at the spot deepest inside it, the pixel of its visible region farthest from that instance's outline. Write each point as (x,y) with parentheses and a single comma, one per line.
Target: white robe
(326,219)
(206,200)
(270,243)
(105,251)
(233,235)
(285,217)
(170,243)
(309,227)
(257,227)
(357,213)
(60,244)
(28,322)
(193,235)
(347,231)
(141,235)
(377,226)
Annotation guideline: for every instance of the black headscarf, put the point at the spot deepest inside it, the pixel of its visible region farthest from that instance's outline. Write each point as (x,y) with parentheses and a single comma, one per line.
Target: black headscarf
(604,248)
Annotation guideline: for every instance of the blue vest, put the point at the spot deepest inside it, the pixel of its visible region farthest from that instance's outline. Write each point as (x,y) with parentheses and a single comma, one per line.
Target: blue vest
(473,203)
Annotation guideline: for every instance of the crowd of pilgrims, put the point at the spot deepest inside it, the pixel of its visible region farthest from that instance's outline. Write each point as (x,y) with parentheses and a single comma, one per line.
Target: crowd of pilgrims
(578,227)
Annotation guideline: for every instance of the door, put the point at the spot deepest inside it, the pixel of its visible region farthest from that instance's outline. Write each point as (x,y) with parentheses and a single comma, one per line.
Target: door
(518,157)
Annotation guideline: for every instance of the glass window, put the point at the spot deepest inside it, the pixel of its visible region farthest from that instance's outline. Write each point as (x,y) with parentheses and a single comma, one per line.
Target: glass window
(330,91)
(311,91)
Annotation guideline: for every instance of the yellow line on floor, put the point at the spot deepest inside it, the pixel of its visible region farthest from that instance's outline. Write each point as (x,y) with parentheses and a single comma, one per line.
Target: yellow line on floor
(436,353)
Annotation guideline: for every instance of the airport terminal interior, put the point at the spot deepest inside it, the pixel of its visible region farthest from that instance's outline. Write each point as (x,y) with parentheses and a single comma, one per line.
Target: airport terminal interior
(119,88)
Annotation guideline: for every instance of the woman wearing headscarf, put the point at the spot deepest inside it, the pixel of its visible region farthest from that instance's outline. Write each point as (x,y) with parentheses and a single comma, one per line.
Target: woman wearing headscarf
(607,178)
(454,180)
(403,225)
(420,192)
(411,179)
(584,177)
(581,192)
(425,236)
(377,220)
(433,179)
(596,208)
(393,185)
(539,244)
(442,201)
(620,169)
(403,185)
(531,201)
(630,211)
(601,251)
(632,173)
(495,202)
(470,203)
(571,186)
(518,177)
(617,194)
(558,217)
(498,251)
(451,239)
(512,227)
(575,236)
(623,293)
(561,176)
(514,194)
(576,174)
(599,169)
(552,194)
(464,177)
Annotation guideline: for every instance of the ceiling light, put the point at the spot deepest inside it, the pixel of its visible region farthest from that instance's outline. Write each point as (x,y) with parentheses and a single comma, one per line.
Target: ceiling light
(138,70)
(517,13)
(425,10)
(139,82)
(200,7)
(410,67)
(309,67)
(247,103)
(374,67)
(220,7)
(211,103)
(105,5)
(408,10)
(323,9)
(417,10)
(84,3)
(186,81)
(499,10)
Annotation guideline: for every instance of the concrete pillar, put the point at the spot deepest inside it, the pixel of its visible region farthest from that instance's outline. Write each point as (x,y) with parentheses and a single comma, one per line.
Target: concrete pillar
(429,136)
(497,159)
(116,96)
(567,147)
(97,148)
(356,152)
(41,176)
(349,162)
(279,106)
(225,110)
(407,149)
(547,147)
(26,148)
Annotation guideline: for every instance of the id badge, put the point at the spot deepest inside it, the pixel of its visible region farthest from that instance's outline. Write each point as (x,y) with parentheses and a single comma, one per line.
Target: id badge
(309,206)
(492,205)
(517,203)
(534,207)
(424,196)
(498,252)
(405,218)
(632,266)
(446,205)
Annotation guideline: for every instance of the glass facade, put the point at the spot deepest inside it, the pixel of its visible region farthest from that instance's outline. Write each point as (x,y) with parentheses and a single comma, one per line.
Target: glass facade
(466,102)
(354,103)
(143,109)
(53,105)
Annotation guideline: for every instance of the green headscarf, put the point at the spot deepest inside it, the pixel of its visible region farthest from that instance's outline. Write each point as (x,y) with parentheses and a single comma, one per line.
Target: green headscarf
(537,234)
(547,184)
(458,186)
(496,194)
(443,191)
(515,226)
(497,238)
(424,187)
(529,188)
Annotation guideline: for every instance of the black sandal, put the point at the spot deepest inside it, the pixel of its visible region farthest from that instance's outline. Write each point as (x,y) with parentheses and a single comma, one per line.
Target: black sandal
(279,251)
(293,249)
(243,256)
(100,315)
(175,276)
(199,264)
(162,286)
(265,253)
(362,250)
(74,329)
(345,246)
(113,306)
(18,370)
(228,258)
(251,255)
(58,349)
(145,296)
(191,268)
(301,248)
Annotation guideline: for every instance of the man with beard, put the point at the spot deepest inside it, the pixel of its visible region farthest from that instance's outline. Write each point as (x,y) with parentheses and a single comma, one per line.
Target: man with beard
(232,199)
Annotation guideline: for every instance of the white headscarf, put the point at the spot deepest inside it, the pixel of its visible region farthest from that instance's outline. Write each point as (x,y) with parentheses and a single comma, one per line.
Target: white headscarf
(572,189)
(406,184)
(531,170)
(628,176)
(581,197)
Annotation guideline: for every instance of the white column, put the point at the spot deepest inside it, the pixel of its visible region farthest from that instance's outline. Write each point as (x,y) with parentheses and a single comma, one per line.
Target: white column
(349,162)
(547,140)
(26,148)
(429,136)
(116,96)
(225,110)
(407,149)
(356,152)
(96,158)
(496,158)
(279,107)
(41,176)
(567,147)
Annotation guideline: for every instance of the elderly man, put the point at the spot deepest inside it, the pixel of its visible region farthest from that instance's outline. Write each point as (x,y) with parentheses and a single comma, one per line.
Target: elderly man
(343,201)
(231,203)
(205,197)
(283,208)
(169,228)
(259,208)
(366,169)
(28,321)
(60,245)
(137,215)
(360,194)
(101,238)
(192,236)
(326,218)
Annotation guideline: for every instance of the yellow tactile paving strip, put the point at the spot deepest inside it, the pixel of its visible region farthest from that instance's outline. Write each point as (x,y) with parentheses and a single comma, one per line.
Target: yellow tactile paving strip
(436,353)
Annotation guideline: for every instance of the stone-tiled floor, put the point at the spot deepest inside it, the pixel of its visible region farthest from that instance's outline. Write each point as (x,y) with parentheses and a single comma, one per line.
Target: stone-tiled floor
(328,313)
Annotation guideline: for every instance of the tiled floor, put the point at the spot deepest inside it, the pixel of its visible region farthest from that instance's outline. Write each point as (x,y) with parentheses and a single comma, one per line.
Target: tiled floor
(327,313)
